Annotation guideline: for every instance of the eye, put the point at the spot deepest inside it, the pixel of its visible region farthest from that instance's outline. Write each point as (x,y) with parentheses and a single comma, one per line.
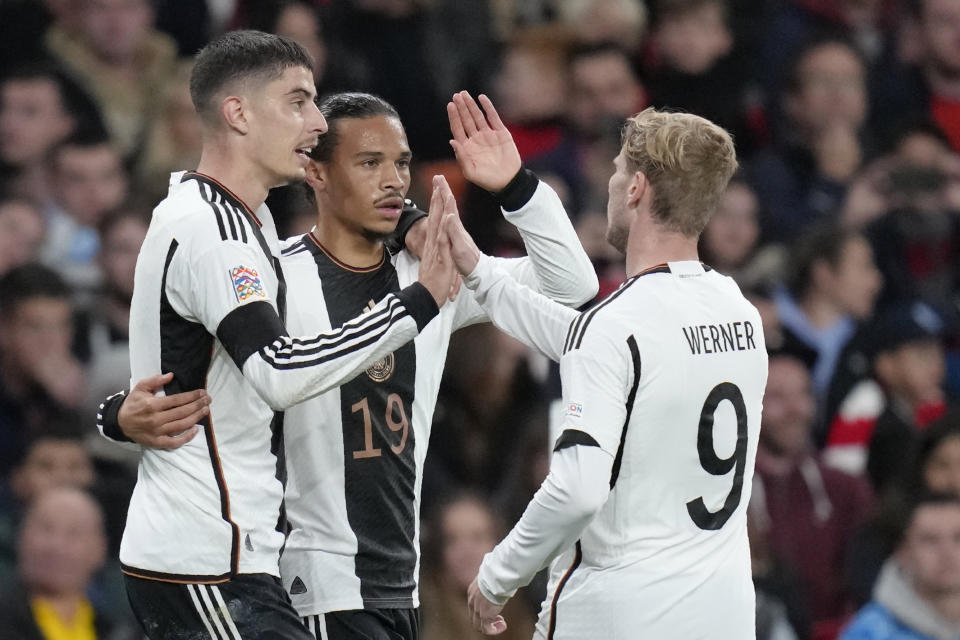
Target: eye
(403,164)
(369,163)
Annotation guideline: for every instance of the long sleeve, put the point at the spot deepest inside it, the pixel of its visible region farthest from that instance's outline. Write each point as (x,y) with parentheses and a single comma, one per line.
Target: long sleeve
(559,263)
(573,492)
(518,310)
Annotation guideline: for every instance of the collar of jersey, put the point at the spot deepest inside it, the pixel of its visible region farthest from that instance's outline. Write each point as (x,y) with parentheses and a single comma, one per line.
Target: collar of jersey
(343,265)
(222,190)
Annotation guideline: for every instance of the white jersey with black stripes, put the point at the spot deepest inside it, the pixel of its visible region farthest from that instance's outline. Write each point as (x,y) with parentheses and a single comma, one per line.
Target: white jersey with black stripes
(643,513)
(207,305)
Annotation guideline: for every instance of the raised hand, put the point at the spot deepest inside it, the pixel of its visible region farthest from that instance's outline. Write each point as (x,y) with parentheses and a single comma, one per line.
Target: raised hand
(484,148)
(463,249)
(437,270)
(162,422)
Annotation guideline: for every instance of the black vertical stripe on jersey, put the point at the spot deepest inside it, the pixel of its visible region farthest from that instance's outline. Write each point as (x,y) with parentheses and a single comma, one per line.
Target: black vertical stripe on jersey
(578,557)
(216,212)
(576,338)
(276,425)
(186,349)
(635,356)
(379,491)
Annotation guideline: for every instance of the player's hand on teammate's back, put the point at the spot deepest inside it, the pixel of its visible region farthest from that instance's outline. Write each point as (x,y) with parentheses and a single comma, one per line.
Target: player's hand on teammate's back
(437,270)
(162,422)
(484,148)
(484,615)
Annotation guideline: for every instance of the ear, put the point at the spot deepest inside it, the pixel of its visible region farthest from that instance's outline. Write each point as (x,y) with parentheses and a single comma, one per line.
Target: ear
(317,176)
(234,112)
(637,189)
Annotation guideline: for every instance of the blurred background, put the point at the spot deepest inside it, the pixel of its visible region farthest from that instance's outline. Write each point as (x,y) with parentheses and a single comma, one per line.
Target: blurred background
(842,226)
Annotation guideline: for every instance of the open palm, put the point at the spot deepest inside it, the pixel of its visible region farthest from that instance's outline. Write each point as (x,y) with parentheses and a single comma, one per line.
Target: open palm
(485,149)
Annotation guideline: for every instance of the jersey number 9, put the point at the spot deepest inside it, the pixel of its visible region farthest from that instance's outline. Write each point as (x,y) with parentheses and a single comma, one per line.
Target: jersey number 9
(715,465)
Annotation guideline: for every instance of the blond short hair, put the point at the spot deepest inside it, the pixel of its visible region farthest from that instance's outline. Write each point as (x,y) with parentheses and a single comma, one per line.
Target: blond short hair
(688,161)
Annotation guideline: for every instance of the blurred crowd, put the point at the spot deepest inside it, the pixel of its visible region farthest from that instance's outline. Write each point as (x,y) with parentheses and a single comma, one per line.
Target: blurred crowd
(842,226)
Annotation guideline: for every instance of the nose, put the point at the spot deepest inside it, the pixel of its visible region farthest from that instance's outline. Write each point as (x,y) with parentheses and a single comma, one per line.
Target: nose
(318,124)
(391,178)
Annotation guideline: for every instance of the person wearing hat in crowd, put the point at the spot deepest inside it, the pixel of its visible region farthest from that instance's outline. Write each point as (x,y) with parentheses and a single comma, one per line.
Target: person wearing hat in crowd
(881,417)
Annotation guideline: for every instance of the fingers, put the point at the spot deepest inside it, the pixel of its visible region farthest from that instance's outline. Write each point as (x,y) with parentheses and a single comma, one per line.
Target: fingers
(192,413)
(494,626)
(455,286)
(479,120)
(456,125)
(491,111)
(154,383)
(466,117)
(449,202)
(168,443)
(165,403)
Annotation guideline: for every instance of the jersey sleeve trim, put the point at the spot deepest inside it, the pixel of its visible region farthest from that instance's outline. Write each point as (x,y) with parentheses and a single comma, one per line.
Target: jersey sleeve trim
(249,328)
(108,417)
(420,303)
(574,437)
(518,191)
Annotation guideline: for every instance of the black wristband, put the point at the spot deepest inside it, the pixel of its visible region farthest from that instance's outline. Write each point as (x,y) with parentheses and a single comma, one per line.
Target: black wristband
(419,303)
(109,417)
(410,214)
(518,191)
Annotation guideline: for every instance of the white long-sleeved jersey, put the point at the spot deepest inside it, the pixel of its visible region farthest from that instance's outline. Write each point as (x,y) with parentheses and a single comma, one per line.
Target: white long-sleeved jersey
(355,454)
(643,513)
(207,305)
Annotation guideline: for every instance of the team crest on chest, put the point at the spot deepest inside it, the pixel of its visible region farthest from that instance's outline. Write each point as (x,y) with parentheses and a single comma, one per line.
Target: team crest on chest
(382,369)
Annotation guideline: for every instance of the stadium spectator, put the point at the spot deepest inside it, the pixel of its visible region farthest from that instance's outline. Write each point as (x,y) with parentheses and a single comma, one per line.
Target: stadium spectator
(802,179)
(22,230)
(463,528)
(89,179)
(877,426)
(731,238)
(123,61)
(937,462)
(623,22)
(39,375)
(693,68)
(929,82)
(39,107)
(61,546)
(53,458)
(172,142)
(831,286)
(917,596)
(808,511)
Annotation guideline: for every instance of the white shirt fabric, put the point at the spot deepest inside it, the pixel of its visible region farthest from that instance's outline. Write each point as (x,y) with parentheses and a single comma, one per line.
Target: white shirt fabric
(643,513)
(354,508)
(205,306)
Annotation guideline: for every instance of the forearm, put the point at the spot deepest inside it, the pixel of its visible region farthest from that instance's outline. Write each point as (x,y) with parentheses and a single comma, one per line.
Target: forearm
(528,316)
(290,370)
(562,267)
(108,420)
(573,492)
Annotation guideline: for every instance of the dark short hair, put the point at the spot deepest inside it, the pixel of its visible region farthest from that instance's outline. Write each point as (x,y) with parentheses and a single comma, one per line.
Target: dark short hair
(793,81)
(339,106)
(74,98)
(238,55)
(27,282)
(823,243)
(923,499)
(82,139)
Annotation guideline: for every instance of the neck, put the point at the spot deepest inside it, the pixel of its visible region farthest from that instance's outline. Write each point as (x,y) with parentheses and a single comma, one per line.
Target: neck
(242,178)
(947,604)
(778,464)
(820,311)
(649,245)
(66,605)
(348,245)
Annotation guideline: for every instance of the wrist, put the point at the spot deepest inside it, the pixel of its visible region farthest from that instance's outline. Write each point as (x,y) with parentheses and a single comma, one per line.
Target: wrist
(518,191)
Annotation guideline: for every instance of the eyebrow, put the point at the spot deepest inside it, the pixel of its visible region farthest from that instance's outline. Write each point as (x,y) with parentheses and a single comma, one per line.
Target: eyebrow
(302,92)
(380,154)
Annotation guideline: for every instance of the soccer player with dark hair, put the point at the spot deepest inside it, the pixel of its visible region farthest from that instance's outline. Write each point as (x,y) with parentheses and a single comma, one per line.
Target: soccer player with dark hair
(205,526)
(355,455)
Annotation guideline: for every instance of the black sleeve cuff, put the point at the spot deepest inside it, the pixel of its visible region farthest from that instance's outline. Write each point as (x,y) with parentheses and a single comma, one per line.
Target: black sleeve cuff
(410,214)
(518,191)
(110,417)
(574,437)
(249,328)
(420,303)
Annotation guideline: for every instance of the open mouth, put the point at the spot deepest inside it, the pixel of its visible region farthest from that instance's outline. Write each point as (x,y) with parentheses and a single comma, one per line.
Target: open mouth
(304,152)
(390,206)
